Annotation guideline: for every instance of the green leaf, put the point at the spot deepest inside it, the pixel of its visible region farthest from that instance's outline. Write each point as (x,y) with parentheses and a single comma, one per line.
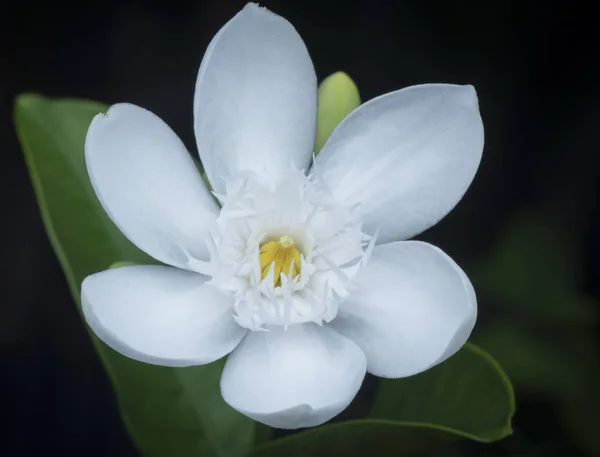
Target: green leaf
(338,97)
(168,411)
(359,438)
(467,396)
(468,393)
(556,365)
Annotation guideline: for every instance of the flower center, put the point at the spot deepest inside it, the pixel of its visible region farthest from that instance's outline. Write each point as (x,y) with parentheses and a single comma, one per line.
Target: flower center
(285,249)
(281,256)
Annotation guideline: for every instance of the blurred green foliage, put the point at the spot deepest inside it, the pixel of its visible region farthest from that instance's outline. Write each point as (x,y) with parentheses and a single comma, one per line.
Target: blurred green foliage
(542,328)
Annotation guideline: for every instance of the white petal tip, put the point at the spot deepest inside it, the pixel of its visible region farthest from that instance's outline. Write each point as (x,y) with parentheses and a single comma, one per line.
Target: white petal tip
(257,10)
(112,114)
(111,110)
(472,93)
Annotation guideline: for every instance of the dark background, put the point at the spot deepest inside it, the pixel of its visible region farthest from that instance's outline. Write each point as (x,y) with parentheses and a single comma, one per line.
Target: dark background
(534,65)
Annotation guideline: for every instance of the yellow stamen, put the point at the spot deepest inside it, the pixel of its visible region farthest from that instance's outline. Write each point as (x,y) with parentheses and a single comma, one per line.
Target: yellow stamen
(280,254)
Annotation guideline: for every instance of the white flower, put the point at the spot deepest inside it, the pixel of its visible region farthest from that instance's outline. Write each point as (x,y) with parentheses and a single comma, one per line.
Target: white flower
(301,274)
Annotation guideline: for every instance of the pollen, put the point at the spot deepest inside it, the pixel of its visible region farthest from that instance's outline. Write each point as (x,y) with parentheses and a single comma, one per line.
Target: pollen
(284,257)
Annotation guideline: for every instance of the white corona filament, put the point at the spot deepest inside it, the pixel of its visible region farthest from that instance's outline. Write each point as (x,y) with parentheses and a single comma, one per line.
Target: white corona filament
(285,250)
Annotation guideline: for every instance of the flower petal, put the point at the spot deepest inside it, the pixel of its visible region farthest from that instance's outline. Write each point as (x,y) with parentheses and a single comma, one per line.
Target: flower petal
(255,106)
(413,308)
(407,157)
(160,315)
(299,377)
(148,184)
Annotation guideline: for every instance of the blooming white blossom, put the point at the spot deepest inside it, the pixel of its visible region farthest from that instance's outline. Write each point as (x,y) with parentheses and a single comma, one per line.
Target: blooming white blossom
(299,273)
